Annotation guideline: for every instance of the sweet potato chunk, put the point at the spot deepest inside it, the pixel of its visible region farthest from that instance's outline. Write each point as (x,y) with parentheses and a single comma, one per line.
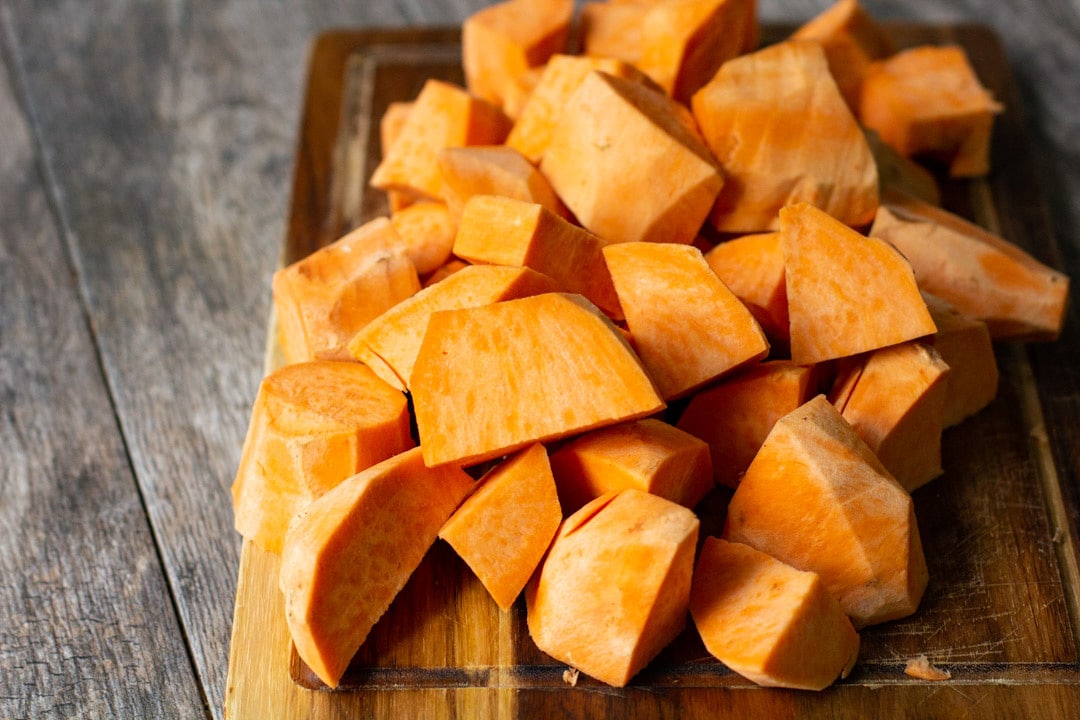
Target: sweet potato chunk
(897,173)
(505,526)
(494,170)
(815,497)
(492,379)
(350,552)
(390,127)
(612,30)
(767,621)
(752,267)
(427,233)
(615,585)
(965,346)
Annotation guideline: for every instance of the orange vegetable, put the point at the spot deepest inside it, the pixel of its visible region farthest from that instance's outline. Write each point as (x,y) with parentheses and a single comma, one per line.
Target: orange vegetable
(612,30)
(427,233)
(494,170)
(752,267)
(897,173)
(444,271)
(965,346)
(390,126)
(349,553)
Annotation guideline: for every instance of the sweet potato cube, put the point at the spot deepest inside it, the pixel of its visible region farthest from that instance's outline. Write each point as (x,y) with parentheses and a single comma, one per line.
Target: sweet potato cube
(928,100)
(629,165)
(981,274)
(390,126)
(615,585)
(846,293)
(687,326)
(965,345)
(815,497)
(752,267)
(783,134)
(427,233)
(327,297)
(390,342)
(494,170)
(772,624)
(647,455)
(313,425)
(504,231)
(612,30)
(443,115)
(489,380)
(735,415)
(894,398)
(505,526)
(350,552)
(444,271)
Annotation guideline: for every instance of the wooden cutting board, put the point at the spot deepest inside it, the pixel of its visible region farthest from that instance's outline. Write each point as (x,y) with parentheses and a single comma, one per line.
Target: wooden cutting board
(999,528)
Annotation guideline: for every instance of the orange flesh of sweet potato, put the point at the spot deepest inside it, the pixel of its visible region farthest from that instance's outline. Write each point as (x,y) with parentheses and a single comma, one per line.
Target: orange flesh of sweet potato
(735,416)
(504,231)
(897,173)
(782,134)
(390,342)
(965,345)
(494,170)
(752,267)
(505,526)
(612,30)
(427,234)
(629,164)
(815,497)
(444,271)
(350,552)
(325,298)
(687,326)
(767,621)
(846,293)
(614,587)
(492,379)
(390,126)
(981,274)
(312,425)
(647,455)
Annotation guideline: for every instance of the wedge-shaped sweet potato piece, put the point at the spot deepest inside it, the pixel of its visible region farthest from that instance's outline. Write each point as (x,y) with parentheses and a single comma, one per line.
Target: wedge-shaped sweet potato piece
(614,588)
(752,267)
(965,345)
(894,398)
(981,274)
(445,270)
(687,326)
(815,497)
(443,115)
(427,234)
(928,100)
(325,298)
(772,624)
(612,30)
(349,553)
(313,425)
(502,42)
(783,134)
(493,379)
(390,342)
(647,455)
(505,526)
(735,415)
(390,126)
(629,164)
(494,170)
(846,293)
(504,231)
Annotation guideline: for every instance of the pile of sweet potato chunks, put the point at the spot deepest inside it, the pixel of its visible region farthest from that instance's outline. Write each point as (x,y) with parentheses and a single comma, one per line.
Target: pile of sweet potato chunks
(614,279)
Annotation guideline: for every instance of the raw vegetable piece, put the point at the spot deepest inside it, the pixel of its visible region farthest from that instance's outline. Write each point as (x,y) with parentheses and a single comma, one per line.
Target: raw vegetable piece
(390,126)
(647,455)
(894,398)
(687,326)
(614,588)
(444,271)
(852,39)
(735,416)
(684,42)
(349,553)
(612,30)
(561,78)
(772,624)
(505,526)
(981,274)
(427,233)
(846,293)
(313,425)
(965,346)
(927,100)
(752,267)
(783,134)
(390,342)
(494,170)
(327,297)
(504,231)
(501,42)
(629,164)
(815,497)
(493,379)
(443,115)
(897,173)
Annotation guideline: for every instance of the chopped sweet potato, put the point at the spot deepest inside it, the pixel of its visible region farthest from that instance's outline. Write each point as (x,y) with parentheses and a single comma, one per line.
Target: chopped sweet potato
(505,526)
(615,585)
(445,270)
(494,170)
(752,267)
(965,345)
(390,126)
(897,173)
(427,233)
(767,621)
(350,552)
(612,30)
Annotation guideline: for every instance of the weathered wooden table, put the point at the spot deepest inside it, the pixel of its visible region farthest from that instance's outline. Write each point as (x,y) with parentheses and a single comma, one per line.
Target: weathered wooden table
(146,166)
